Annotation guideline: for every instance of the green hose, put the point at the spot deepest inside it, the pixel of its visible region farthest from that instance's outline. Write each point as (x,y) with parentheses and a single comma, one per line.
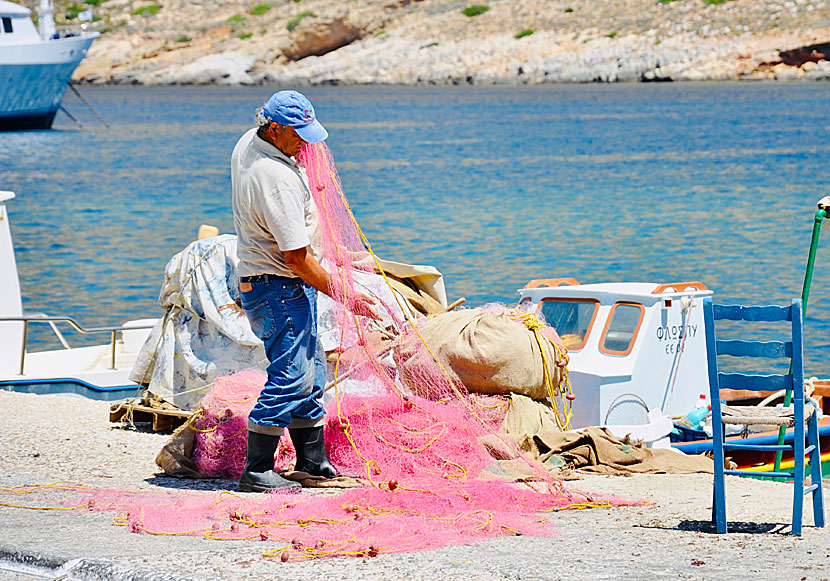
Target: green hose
(821,214)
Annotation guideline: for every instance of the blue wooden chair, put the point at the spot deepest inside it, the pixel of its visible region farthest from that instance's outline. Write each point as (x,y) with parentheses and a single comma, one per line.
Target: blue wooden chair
(797,416)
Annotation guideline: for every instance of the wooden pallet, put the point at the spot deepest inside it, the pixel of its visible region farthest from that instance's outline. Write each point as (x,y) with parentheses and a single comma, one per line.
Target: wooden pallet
(162,419)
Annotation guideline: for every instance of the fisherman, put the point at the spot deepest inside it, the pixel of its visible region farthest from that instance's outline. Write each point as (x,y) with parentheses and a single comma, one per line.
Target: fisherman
(279,248)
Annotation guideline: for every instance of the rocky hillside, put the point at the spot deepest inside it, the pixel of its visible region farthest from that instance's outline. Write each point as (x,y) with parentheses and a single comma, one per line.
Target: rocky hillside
(448,41)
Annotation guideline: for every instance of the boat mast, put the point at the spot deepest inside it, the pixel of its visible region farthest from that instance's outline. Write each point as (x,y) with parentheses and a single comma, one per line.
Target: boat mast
(46,20)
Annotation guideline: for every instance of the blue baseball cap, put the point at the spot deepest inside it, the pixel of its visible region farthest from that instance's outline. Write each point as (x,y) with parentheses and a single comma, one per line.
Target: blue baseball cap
(292,109)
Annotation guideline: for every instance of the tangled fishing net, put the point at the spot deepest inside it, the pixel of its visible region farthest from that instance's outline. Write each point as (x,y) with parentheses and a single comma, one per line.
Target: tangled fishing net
(400,416)
(362,522)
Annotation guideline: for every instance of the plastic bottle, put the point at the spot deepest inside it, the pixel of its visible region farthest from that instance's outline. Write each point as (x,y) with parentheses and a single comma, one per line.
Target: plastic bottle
(697,416)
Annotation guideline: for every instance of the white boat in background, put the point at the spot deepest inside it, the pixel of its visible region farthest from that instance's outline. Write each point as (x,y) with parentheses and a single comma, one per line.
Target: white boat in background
(633,347)
(98,372)
(637,360)
(35,66)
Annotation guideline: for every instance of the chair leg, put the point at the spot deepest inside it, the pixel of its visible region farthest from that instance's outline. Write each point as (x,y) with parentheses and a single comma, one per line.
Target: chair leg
(798,476)
(815,471)
(719,490)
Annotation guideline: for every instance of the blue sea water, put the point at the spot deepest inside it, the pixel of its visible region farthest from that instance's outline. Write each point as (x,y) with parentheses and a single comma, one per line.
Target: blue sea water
(493,186)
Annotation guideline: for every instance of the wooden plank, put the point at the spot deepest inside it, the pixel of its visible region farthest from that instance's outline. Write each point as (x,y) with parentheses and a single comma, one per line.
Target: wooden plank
(161,419)
(163,422)
(766,313)
(117,414)
(768,349)
(822,395)
(822,387)
(755,382)
(152,410)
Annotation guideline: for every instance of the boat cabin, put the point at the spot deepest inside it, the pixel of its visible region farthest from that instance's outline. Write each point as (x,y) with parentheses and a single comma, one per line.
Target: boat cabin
(634,347)
(16,24)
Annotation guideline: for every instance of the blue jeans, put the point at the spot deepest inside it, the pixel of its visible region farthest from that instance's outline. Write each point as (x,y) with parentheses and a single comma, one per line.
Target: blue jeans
(283,313)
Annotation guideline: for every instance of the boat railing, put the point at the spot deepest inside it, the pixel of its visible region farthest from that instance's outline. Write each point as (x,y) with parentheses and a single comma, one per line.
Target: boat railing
(43,318)
(71,30)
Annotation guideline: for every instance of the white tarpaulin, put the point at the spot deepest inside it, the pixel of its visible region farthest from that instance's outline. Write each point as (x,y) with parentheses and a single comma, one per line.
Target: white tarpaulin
(204,334)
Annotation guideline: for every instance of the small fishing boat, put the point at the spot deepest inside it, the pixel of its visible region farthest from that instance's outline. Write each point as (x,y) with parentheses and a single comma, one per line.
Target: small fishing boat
(633,347)
(98,371)
(638,354)
(35,66)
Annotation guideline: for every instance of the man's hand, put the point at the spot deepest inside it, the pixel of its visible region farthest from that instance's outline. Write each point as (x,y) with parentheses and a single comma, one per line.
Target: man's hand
(303,264)
(361,304)
(363,261)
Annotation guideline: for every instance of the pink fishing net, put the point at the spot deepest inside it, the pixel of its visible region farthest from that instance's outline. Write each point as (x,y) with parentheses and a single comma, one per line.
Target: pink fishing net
(382,436)
(432,477)
(358,522)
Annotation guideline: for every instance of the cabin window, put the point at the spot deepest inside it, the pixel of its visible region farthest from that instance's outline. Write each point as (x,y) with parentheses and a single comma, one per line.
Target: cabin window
(572,319)
(620,331)
(7,24)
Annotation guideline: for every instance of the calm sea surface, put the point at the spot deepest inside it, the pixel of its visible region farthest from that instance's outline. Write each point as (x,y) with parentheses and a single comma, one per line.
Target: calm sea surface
(493,186)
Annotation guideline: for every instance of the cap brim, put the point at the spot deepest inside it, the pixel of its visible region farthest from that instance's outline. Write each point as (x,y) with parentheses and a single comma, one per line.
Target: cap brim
(314,132)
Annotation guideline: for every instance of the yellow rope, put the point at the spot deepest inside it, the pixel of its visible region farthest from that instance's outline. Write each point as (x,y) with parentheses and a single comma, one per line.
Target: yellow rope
(192,418)
(35,488)
(560,391)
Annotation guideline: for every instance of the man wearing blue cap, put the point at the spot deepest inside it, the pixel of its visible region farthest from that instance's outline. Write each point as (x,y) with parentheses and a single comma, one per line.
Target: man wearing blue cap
(279,247)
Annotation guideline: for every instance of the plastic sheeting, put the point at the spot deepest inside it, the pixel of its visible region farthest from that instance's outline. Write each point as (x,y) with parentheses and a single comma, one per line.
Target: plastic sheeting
(204,333)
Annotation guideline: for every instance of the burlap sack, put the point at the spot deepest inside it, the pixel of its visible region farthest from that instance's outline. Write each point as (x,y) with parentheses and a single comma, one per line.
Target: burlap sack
(486,352)
(533,428)
(174,457)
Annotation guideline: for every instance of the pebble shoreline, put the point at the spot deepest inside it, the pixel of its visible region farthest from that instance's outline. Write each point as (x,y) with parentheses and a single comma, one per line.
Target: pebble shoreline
(48,438)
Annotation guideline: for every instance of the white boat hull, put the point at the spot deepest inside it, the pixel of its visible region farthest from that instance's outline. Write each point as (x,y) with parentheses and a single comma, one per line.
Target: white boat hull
(33,79)
(83,370)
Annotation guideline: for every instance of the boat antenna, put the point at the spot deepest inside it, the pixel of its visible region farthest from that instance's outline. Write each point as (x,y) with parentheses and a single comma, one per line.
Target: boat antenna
(46,20)
(90,107)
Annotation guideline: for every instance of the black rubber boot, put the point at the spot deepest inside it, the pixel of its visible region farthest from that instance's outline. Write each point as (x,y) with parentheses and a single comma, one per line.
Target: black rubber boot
(259,474)
(311,452)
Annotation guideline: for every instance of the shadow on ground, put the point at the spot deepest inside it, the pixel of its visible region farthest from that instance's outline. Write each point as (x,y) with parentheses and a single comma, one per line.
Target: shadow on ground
(213,484)
(706,526)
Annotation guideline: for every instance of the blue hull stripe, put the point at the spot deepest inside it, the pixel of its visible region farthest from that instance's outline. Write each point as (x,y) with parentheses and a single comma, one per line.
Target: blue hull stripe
(70,385)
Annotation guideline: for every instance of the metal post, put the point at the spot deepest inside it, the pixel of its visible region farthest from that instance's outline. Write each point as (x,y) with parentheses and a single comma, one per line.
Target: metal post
(821,214)
(113,349)
(23,352)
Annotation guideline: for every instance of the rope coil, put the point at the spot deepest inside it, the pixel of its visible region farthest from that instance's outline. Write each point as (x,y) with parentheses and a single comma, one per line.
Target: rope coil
(563,389)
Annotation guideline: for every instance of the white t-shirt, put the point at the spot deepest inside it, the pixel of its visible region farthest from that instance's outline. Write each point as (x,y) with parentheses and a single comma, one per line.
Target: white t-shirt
(273,210)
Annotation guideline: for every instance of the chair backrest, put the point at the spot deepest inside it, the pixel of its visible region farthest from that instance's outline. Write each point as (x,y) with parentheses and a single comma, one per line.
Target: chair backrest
(792,349)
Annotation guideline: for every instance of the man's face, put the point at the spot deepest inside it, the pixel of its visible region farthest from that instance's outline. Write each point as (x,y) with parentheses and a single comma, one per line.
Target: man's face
(286,139)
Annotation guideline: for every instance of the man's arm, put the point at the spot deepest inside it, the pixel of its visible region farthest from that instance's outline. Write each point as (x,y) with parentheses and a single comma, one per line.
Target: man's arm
(304,265)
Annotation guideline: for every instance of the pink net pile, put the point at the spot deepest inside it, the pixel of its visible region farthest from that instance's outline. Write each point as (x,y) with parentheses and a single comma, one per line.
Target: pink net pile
(413,440)
(357,522)
(428,460)
(221,426)
(382,437)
